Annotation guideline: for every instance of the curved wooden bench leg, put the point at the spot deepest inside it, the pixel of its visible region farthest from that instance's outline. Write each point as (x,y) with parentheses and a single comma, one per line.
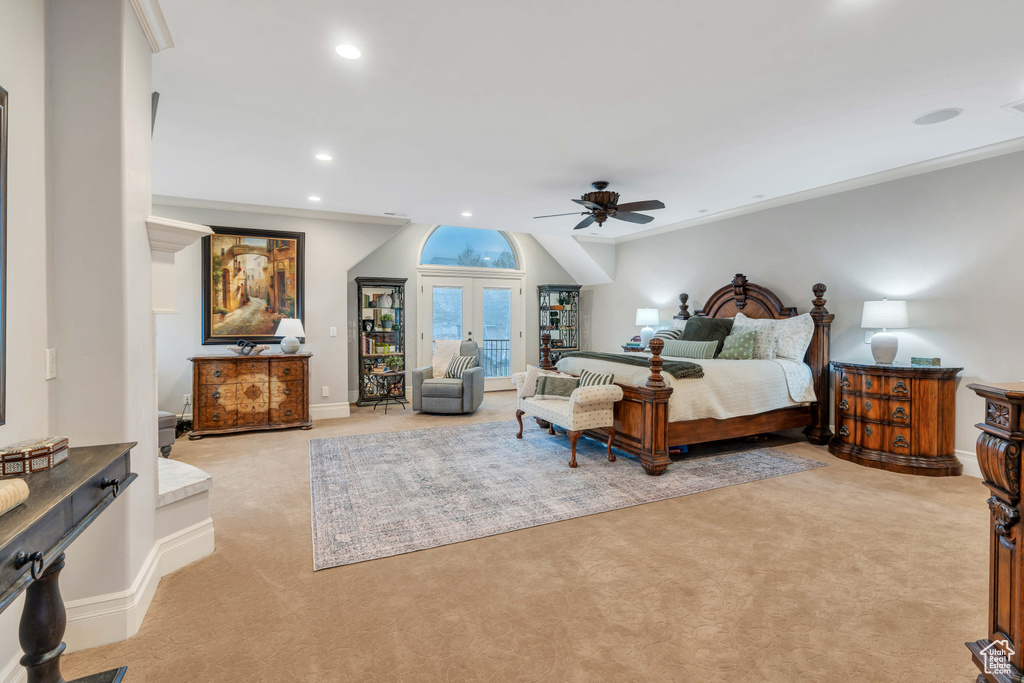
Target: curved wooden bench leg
(519,417)
(573,438)
(611,437)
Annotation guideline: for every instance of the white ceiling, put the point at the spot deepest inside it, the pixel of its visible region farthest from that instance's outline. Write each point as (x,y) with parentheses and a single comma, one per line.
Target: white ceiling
(511,109)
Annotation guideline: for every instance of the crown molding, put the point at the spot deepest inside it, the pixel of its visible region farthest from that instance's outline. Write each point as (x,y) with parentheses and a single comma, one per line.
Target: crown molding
(167,234)
(151,17)
(937,164)
(165,200)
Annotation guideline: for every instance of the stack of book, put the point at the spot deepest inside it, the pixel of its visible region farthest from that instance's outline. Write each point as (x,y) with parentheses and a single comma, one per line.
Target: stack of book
(634,345)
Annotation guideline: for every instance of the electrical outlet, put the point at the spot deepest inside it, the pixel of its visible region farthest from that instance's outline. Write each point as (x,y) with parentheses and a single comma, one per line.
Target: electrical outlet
(868,334)
(51,363)
(325,392)
(334,331)
(186,399)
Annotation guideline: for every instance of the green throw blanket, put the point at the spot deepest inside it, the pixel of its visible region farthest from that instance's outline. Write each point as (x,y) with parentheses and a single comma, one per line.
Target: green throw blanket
(680,369)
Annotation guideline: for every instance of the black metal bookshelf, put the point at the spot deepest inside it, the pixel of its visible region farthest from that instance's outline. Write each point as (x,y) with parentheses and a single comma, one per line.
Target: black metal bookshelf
(560,317)
(381,322)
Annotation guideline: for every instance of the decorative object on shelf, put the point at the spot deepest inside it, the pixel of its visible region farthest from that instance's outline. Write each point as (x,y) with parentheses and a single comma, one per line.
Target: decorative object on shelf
(897,418)
(560,317)
(3,255)
(245,348)
(633,347)
(252,279)
(885,315)
(927,362)
(234,393)
(381,337)
(33,455)
(646,317)
(13,492)
(290,329)
(999,453)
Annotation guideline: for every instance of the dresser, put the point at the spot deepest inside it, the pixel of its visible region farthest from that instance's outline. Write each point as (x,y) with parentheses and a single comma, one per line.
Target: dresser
(244,393)
(896,417)
(1001,652)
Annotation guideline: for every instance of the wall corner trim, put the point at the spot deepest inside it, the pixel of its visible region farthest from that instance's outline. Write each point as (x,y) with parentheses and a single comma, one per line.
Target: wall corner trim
(151,18)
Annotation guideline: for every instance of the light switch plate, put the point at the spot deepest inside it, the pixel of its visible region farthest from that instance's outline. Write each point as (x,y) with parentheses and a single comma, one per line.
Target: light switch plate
(334,331)
(51,363)
(325,392)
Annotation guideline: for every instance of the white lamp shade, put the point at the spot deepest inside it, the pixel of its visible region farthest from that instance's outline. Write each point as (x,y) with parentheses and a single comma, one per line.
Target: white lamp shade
(290,327)
(647,316)
(885,315)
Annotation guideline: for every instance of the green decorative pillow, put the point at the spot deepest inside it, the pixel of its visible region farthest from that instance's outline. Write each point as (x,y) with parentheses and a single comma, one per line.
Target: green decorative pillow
(558,387)
(593,379)
(739,346)
(708,329)
(690,349)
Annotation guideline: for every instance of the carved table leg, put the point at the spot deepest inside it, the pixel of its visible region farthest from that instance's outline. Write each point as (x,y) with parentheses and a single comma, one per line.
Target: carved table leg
(611,437)
(573,438)
(653,470)
(42,626)
(551,428)
(519,417)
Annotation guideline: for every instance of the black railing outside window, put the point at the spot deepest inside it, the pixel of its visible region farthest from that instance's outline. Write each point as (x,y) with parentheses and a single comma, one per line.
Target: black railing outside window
(497,354)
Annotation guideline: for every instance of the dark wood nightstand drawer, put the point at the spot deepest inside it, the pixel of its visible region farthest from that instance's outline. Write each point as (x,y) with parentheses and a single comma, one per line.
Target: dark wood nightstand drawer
(871,385)
(217,372)
(898,386)
(871,408)
(848,381)
(871,435)
(899,412)
(846,430)
(848,404)
(898,439)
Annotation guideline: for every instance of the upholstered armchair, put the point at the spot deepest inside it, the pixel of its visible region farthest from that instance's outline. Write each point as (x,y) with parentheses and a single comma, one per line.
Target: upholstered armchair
(450,396)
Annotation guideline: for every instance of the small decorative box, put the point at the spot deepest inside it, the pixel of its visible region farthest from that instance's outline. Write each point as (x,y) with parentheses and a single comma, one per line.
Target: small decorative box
(33,455)
(927,362)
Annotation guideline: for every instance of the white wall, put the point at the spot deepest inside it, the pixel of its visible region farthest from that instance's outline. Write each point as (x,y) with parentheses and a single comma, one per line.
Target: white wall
(400,256)
(332,248)
(950,242)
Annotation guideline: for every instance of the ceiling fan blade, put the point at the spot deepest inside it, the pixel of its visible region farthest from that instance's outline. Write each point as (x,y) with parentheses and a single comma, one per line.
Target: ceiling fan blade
(585,223)
(552,215)
(632,217)
(590,205)
(649,205)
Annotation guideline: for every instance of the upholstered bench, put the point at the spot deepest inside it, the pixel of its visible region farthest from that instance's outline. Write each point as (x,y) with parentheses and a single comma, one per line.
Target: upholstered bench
(587,408)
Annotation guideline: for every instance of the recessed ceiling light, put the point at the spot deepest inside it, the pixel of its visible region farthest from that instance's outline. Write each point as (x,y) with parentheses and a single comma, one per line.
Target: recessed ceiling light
(758,196)
(703,211)
(938,116)
(313,198)
(466,214)
(348,51)
(324,157)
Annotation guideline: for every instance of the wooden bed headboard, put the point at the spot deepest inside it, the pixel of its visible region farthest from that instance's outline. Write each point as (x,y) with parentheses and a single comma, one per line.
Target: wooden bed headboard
(755,301)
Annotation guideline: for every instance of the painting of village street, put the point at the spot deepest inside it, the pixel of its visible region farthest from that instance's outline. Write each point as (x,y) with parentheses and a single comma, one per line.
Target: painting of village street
(252,280)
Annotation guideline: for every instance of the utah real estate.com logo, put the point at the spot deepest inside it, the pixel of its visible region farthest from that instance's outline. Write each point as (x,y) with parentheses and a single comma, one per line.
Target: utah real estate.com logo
(997,659)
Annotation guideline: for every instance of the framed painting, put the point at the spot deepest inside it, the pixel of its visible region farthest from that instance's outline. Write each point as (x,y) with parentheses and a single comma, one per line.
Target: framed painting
(3,256)
(252,279)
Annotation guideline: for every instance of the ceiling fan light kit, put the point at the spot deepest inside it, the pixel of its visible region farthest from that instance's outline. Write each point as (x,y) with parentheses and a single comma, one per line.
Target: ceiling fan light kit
(603,204)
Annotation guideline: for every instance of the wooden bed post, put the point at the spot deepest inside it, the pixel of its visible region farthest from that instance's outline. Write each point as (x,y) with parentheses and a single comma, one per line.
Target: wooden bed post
(684,308)
(545,352)
(653,415)
(821,370)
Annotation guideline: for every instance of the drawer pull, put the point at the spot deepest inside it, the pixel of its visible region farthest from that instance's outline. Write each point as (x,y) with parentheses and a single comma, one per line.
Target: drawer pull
(869,383)
(844,405)
(216,416)
(901,388)
(867,406)
(900,414)
(288,412)
(35,559)
(287,391)
(216,373)
(845,382)
(868,430)
(900,442)
(843,431)
(106,483)
(216,394)
(287,371)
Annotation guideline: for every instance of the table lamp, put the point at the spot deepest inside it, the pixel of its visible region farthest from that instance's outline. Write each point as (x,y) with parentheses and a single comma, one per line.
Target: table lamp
(290,329)
(646,317)
(885,315)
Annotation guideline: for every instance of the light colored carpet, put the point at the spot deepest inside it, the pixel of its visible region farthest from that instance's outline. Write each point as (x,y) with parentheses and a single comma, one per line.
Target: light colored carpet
(385,494)
(841,573)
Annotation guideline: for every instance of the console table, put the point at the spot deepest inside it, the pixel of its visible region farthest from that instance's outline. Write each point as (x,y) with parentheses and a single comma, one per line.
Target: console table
(1001,653)
(62,502)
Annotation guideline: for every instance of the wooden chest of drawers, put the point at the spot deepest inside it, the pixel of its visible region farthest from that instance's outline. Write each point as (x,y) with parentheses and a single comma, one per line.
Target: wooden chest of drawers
(242,393)
(896,417)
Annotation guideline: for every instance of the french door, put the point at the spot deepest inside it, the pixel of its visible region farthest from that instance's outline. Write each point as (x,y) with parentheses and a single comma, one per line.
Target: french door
(488,311)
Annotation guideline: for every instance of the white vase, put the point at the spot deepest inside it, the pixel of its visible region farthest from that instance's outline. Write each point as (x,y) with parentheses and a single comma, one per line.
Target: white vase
(385,301)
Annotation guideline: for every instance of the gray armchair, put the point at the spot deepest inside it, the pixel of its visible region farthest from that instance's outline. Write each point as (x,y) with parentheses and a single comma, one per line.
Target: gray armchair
(450,396)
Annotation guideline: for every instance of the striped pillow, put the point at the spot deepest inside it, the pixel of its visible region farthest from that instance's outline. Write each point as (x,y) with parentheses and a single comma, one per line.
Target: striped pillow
(593,379)
(458,365)
(668,333)
(690,349)
(558,387)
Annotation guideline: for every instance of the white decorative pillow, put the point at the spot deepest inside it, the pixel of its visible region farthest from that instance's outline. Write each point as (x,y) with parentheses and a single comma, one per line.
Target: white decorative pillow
(764,342)
(444,349)
(529,385)
(793,336)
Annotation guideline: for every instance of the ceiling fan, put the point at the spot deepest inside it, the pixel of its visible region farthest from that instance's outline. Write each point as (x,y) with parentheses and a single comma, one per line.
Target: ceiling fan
(603,205)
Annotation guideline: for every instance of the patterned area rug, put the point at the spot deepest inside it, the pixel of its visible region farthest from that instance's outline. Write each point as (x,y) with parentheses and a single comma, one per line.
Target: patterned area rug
(378,495)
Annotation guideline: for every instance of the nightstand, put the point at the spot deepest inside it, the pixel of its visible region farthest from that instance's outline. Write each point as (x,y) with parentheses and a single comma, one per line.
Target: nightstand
(896,417)
(631,349)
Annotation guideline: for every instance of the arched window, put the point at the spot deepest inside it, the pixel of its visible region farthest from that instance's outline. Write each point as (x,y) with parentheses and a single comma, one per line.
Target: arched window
(449,245)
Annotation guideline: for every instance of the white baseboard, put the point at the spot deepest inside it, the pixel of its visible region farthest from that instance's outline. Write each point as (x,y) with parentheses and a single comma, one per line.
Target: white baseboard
(353,396)
(329,411)
(106,619)
(970,463)
(14,672)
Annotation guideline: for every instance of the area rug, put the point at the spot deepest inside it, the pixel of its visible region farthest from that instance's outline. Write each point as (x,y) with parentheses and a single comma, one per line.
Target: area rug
(378,495)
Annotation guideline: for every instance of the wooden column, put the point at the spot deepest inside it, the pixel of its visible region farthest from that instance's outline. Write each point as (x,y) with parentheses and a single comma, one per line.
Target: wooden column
(545,352)
(1000,656)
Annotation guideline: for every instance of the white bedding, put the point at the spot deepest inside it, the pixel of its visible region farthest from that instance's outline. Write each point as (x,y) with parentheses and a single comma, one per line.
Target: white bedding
(729,388)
